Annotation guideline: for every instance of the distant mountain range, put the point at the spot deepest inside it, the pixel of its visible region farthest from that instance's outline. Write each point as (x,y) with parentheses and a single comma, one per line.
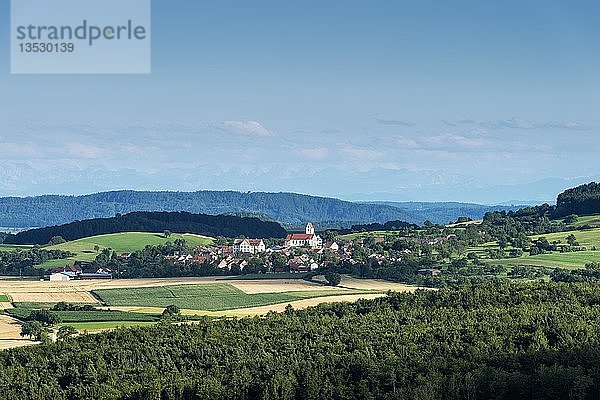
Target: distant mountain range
(444,212)
(290,209)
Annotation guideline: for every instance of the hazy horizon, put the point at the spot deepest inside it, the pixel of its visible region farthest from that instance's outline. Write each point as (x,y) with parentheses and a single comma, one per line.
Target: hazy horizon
(392,101)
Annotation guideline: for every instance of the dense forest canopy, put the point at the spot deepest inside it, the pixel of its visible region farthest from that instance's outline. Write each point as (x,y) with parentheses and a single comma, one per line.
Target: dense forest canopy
(287,208)
(24,261)
(581,200)
(182,222)
(493,341)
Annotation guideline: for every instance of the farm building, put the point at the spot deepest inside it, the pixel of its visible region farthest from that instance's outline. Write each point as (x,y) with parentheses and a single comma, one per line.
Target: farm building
(60,277)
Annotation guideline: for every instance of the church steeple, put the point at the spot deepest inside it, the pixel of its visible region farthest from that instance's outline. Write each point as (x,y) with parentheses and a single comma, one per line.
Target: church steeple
(310,229)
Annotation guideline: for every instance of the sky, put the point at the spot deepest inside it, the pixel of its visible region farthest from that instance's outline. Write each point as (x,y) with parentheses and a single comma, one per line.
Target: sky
(478,101)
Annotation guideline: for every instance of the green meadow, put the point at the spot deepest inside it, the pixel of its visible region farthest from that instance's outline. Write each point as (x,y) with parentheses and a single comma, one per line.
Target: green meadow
(13,247)
(589,239)
(126,242)
(362,235)
(591,220)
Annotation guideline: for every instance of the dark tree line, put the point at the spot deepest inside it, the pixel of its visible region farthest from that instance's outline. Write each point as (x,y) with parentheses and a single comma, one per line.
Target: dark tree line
(210,225)
(503,341)
(24,261)
(591,273)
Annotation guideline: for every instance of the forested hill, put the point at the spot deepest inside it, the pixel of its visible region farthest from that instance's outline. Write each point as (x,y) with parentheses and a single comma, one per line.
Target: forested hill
(581,200)
(182,222)
(287,208)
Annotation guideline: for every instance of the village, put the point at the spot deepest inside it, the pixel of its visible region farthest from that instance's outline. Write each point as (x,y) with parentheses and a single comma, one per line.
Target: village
(298,253)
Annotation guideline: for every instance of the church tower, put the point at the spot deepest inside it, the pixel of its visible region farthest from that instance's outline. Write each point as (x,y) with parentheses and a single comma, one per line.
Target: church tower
(310,229)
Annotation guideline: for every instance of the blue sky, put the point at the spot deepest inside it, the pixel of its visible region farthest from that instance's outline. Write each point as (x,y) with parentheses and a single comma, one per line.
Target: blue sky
(389,100)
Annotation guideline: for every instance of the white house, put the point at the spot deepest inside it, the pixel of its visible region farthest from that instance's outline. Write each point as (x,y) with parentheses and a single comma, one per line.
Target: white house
(249,246)
(309,238)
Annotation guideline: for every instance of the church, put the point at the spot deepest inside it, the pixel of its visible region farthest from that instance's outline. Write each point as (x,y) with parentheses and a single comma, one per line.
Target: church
(309,238)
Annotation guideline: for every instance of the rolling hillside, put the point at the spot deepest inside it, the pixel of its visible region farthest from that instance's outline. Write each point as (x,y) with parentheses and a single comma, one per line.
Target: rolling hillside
(127,242)
(590,239)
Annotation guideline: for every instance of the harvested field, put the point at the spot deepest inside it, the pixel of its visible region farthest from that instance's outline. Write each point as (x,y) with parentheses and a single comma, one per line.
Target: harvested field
(277,285)
(300,304)
(371,284)
(10,330)
(261,310)
(11,286)
(53,297)
(13,343)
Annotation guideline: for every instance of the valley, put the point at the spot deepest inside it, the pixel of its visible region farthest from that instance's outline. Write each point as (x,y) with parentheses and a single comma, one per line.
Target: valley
(408,287)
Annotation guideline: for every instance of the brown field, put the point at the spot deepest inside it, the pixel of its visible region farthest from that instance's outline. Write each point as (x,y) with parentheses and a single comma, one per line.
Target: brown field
(9,333)
(300,304)
(371,284)
(7,286)
(53,297)
(277,285)
(241,312)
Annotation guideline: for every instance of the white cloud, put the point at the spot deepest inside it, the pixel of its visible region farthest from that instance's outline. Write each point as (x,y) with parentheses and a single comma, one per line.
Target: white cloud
(449,139)
(406,142)
(248,128)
